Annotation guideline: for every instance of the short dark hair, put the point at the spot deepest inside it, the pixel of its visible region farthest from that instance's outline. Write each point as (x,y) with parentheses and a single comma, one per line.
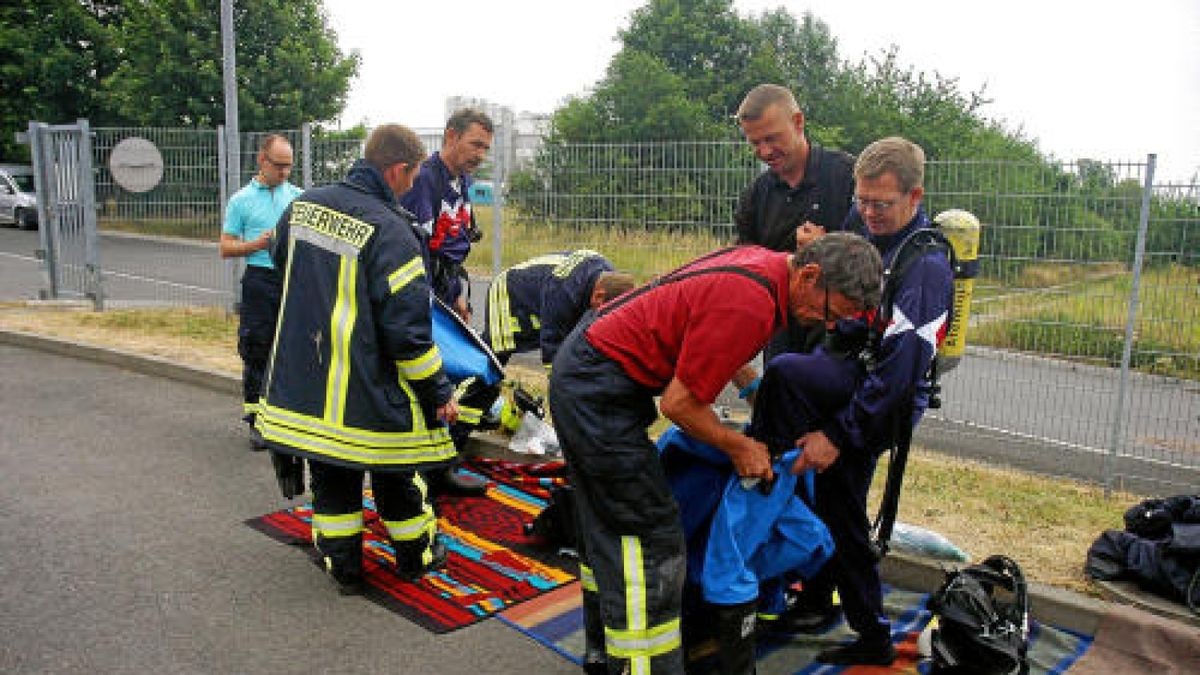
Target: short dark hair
(849,264)
(463,118)
(392,144)
(755,105)
(614,283)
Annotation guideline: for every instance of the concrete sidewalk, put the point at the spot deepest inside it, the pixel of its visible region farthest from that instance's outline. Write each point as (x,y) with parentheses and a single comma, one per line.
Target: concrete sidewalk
(124,494)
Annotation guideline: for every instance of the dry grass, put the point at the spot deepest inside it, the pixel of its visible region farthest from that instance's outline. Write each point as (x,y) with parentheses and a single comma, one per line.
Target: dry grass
(1045,524)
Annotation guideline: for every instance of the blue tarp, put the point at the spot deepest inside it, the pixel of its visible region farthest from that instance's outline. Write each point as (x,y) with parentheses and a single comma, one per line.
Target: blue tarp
(464,354)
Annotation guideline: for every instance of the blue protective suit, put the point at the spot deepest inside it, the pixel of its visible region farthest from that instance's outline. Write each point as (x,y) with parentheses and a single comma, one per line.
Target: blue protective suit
(738,537)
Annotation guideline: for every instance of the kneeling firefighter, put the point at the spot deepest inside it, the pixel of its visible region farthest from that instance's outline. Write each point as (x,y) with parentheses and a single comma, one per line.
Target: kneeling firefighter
(355,382)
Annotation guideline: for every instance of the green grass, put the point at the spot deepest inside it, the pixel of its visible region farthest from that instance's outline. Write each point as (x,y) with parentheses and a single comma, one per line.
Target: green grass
(204,324)
(1083,317)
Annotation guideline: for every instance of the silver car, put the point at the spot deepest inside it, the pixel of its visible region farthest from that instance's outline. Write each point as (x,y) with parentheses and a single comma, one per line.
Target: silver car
(18,205)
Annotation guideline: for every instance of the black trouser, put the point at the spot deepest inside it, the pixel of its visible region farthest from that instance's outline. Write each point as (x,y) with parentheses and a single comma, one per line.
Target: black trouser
(812,387)
(261,291)
(631,542)
(338,515)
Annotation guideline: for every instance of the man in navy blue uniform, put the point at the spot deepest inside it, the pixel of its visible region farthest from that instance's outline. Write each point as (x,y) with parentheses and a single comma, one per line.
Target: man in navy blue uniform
(440,200)
(892,390)
(533,306)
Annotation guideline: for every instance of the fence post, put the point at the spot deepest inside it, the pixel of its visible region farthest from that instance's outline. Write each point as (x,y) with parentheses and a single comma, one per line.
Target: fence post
(500,155)
(306,154)
(1139,256)
(46,189)
(87,205)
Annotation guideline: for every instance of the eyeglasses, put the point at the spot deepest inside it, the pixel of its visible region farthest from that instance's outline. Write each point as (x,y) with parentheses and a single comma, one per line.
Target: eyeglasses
(876,205)
(278,165)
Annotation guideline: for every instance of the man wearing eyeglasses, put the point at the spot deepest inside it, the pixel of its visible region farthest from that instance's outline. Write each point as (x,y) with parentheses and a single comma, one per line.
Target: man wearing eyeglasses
(250,218)
(867,407)
(680,337)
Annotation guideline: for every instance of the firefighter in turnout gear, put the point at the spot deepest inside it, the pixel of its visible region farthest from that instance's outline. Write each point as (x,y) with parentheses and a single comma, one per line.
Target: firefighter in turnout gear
(682,337)
(534,305)
(355,382)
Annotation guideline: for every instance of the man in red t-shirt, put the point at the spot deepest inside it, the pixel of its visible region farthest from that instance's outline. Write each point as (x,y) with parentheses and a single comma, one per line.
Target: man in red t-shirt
(681,337)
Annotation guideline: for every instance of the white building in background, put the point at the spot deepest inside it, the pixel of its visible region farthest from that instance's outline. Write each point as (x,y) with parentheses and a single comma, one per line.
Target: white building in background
(526,130)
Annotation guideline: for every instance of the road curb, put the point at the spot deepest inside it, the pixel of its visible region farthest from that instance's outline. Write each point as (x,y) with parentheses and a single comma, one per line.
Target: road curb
(1055,606)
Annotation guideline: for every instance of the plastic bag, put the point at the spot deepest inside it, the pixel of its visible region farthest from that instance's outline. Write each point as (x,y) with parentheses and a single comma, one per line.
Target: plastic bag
(918,540)
(534,437)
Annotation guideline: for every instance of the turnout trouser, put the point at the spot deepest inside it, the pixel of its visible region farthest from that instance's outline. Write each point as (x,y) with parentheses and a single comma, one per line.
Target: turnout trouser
(337,522)
(631,542)
(256,331)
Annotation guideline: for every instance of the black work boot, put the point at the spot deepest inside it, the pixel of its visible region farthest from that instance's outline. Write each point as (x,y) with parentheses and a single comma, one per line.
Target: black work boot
(348,581)
(412,570)
(448,481)
(735,638)
(860,652)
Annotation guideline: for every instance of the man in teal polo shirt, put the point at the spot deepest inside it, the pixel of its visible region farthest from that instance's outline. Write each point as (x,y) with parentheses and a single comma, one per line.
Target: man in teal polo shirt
(250,219)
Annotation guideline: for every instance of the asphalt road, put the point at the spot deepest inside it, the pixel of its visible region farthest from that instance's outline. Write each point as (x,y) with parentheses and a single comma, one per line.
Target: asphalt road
(122,501)
(1042,414)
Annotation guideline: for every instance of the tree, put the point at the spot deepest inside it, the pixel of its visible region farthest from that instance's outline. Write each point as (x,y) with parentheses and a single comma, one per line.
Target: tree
(52,56)
(159,63)
(290,70)
(638,98)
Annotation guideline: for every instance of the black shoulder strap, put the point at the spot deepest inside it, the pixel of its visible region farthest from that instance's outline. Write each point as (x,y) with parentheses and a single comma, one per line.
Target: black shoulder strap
(686,272)
(911,249)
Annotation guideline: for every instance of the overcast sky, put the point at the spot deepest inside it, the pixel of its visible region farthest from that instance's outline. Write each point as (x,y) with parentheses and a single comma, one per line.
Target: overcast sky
(1106,79)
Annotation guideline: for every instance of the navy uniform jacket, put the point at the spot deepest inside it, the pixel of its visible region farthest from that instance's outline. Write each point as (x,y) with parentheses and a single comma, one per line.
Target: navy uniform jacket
(441,205)
(538,302)
(354,377)
(916,325)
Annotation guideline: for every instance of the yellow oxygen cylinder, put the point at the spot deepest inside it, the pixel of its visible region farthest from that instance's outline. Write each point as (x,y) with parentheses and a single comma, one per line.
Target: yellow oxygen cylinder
(961,229)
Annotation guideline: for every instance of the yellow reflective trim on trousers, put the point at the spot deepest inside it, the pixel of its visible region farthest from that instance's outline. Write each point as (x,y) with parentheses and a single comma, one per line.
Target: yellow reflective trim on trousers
(412,528)
(469,415)
(422,367)
(341,330)
(409,271)
(587,579)
(337,525)
(643,644)
(634,642)
(634,567)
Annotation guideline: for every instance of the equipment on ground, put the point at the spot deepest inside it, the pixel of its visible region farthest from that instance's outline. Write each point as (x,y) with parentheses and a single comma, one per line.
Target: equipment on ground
(978,629)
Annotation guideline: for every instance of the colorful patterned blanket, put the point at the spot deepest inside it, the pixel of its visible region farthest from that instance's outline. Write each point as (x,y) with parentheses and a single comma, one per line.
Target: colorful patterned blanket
(493,564)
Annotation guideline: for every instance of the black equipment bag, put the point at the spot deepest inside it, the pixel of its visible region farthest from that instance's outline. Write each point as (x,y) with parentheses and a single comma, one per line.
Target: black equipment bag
(979,631)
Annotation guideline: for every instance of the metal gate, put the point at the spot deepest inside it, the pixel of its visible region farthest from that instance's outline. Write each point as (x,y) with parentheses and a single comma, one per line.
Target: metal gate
(66,202)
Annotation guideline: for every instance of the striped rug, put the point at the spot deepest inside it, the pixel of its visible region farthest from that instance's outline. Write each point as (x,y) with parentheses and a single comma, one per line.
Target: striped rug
(493,564)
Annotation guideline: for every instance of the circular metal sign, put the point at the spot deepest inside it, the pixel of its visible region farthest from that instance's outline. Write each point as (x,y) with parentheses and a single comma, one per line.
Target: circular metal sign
(136,164)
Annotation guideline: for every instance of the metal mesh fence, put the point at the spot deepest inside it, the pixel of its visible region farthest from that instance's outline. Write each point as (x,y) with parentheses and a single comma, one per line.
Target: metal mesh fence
(1058,377)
